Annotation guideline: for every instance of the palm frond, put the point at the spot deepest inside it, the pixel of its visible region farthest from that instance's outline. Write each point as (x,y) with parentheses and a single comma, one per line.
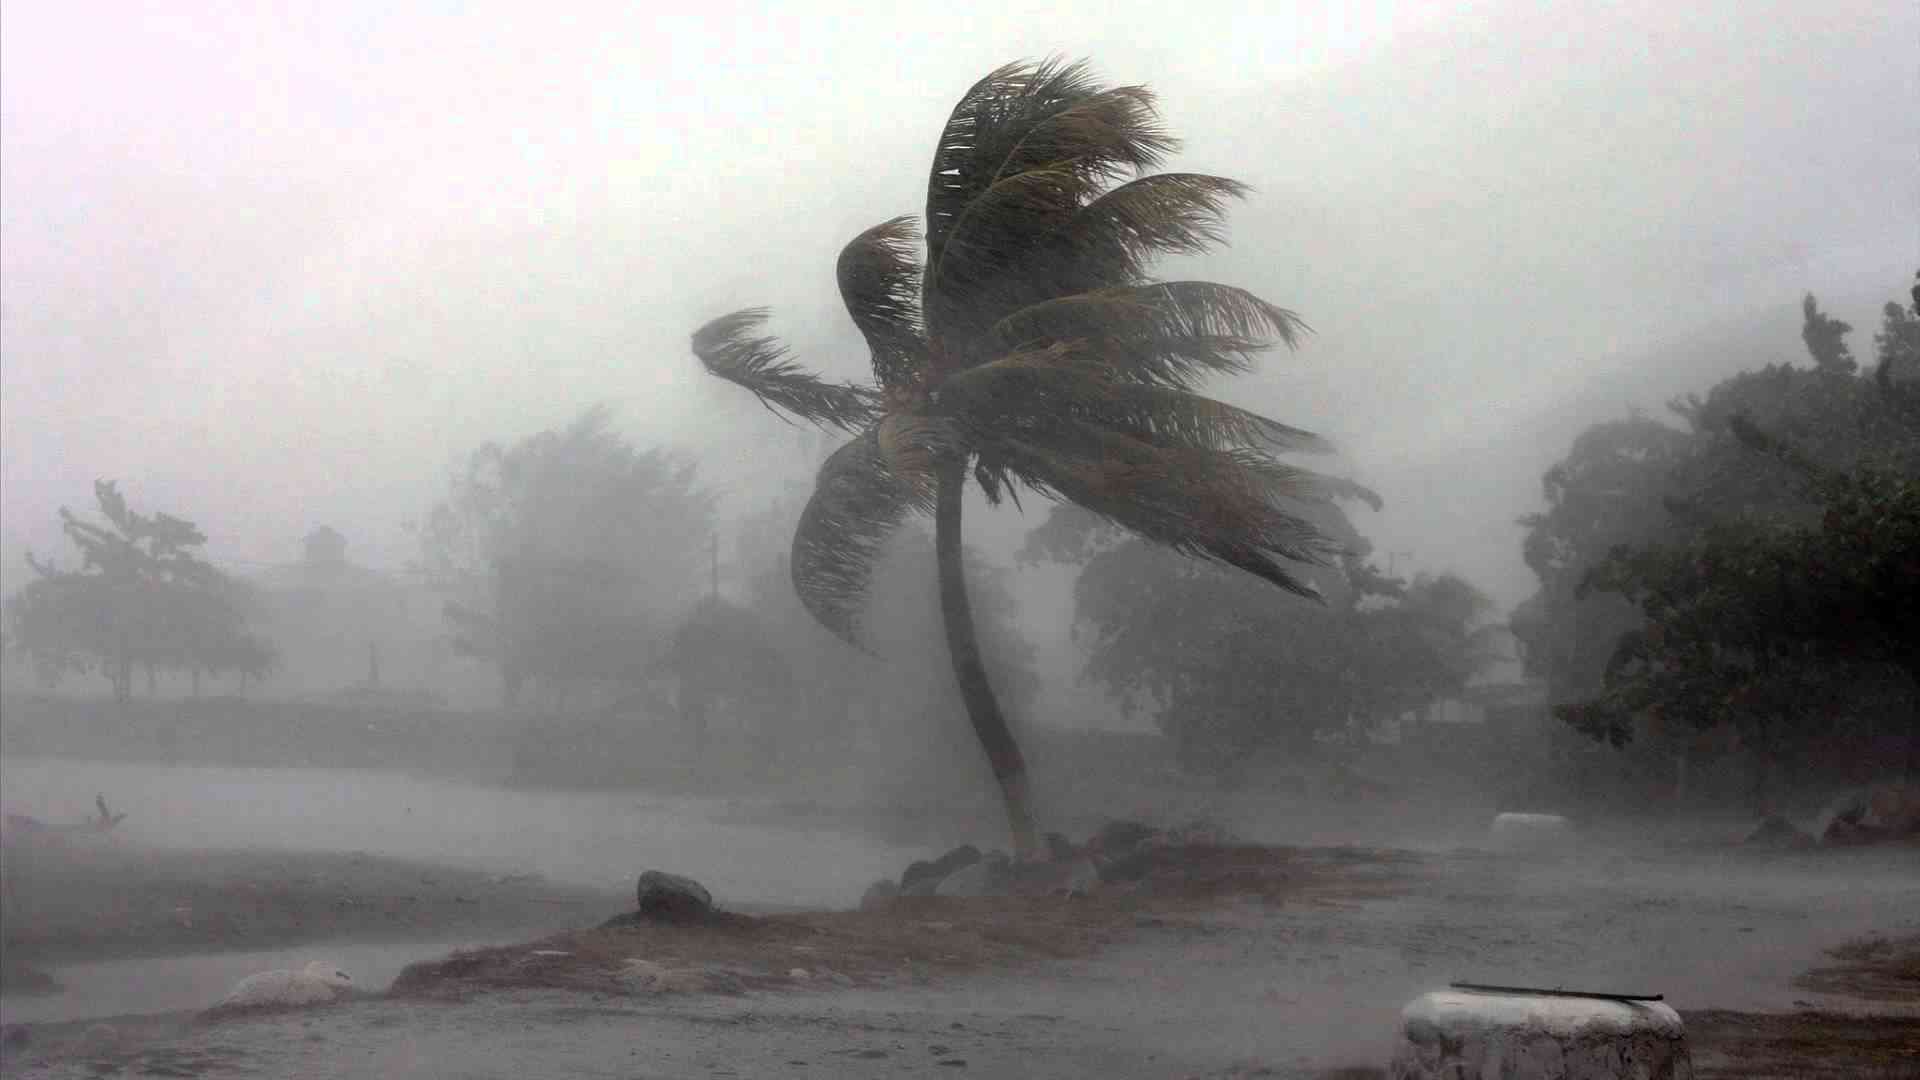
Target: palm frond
(1223,505)
(879,273)
(969,280)
(1340,487)
(910,445)
(1031,388)
(1106,133)
(728,348)
(1024,150)
(1171,333)
(981,141)
(857,503)
(1111,241)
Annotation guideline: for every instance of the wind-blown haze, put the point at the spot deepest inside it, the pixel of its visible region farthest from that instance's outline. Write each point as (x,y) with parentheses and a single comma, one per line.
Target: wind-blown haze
(277,265)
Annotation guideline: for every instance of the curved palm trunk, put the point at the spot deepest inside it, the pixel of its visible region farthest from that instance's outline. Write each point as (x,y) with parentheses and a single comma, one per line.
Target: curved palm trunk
(963,647)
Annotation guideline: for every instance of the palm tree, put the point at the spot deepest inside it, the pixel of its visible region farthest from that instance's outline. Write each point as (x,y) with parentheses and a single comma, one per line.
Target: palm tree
(1032,350)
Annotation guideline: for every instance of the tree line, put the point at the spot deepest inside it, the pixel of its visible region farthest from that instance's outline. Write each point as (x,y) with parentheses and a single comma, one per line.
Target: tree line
(1747,568)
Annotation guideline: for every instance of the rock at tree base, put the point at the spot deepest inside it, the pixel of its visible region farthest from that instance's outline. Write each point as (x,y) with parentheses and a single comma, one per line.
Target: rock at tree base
(922,878)
(1466,1035)
(1517,834)
(672,898)
(1871,816)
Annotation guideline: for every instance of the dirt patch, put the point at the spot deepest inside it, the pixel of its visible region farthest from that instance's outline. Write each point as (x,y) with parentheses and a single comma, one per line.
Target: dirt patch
(919,938)
(105,901)
(1803,1046)
(1818,1044)
(1874,969)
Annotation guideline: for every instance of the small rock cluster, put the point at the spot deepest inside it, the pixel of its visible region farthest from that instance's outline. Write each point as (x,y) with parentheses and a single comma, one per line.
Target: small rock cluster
(1880,814)
(1121,852)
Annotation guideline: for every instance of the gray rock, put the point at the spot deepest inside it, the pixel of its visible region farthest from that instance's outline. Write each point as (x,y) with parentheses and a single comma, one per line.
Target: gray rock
(672,898)
(1059,848)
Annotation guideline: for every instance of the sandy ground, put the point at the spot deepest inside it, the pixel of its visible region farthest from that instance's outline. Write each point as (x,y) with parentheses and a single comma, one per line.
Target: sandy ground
(1297,969)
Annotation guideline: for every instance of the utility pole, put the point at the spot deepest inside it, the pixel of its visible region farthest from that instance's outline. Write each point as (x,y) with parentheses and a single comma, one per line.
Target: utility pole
(713,579)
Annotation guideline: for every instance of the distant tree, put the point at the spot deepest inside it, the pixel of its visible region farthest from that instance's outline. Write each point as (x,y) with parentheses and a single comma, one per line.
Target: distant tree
(568,557)
(141,597)
(1897,353)
(1826,339)
(1224,670)
(725,659)
(1031,348)
(1782,600)
(1787,633)
(1609,490)
(324,547)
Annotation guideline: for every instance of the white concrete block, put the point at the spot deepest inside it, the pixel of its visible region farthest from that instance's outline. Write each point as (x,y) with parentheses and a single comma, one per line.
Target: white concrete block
(1467,1035)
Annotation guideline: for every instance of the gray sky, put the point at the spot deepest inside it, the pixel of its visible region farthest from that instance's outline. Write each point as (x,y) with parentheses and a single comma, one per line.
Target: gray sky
(273,265)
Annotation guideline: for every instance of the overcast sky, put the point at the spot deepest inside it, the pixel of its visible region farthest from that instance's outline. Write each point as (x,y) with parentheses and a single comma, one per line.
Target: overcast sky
(273,265)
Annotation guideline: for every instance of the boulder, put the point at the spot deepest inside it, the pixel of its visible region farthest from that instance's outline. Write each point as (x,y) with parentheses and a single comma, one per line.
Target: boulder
(1468,1035)
(1529,834)
(1059,848)
(1850,832)
(667,897)
(1871,815)
(1842,816)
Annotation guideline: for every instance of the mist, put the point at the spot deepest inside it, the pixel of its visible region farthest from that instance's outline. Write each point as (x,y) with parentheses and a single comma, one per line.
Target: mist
(309,246)
(359,341)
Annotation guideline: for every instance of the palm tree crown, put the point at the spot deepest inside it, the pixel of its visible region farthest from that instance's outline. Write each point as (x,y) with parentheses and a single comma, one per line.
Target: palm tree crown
(1033,347)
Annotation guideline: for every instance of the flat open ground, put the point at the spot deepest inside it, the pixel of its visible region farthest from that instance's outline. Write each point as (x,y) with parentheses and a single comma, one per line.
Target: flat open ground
(1238,961)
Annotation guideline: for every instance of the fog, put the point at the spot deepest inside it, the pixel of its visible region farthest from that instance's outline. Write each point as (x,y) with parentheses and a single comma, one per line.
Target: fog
(250,255)
(395,303)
